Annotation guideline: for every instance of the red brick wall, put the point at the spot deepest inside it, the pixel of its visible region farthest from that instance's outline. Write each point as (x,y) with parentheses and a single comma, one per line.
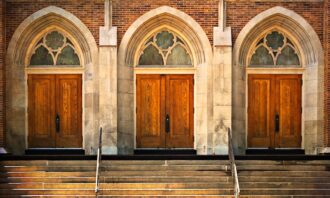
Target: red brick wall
(2,71)
(205,12)
(239,13)
(90,12)
(327,71)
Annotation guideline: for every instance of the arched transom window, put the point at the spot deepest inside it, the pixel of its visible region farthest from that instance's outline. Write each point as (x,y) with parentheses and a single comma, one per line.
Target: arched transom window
(274,50)
(54,49)
(165,48)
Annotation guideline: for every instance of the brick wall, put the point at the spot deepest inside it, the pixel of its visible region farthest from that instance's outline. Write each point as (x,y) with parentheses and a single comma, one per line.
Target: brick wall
(327,71)
(205,12)
(241,12)
(2,65)
(90,12)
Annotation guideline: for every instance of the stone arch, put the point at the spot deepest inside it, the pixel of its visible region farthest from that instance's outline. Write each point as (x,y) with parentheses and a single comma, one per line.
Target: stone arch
(201,49)
(312,60)
(16,77)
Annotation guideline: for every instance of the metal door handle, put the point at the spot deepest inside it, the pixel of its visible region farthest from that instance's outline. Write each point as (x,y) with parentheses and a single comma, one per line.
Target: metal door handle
(167,124)
(277,123)
(57,122)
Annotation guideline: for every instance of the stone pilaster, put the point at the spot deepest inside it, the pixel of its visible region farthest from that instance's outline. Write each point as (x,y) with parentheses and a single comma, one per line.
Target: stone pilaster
(108,83)
(222,84)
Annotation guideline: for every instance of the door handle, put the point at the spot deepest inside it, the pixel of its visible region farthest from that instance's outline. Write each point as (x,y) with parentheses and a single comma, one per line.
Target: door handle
(277,123)
(167,123)
(57,122)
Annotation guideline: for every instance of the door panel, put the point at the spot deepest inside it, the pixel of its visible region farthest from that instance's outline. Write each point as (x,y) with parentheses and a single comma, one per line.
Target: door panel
(159,96)
(69,109)
(150,97)
(49,96)
(179,107)
(288,106)
(41,111)
(260,109)
(272,98)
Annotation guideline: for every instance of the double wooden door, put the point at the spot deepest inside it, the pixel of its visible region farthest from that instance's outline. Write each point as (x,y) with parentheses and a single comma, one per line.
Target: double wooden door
(164,113)
(274,111)
(54,111)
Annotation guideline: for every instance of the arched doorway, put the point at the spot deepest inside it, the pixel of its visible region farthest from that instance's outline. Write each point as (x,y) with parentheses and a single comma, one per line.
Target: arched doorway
(196,43)
(66,63)
(308,48)
(274,92)
(164,99)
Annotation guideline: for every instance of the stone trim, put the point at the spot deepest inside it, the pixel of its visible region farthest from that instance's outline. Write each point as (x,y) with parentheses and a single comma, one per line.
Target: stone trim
(16,75)
(312,60)
(194,35)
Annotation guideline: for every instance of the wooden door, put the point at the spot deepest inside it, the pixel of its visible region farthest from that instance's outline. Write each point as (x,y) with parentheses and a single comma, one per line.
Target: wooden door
(51,97)
(69,110)
(274,111)
(41,111)
(289,109)
(179,109)
(260,111)
(162,97)
(150,110)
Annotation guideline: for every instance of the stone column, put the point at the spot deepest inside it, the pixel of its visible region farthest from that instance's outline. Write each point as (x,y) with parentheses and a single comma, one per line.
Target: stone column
(108,83)
(222,84)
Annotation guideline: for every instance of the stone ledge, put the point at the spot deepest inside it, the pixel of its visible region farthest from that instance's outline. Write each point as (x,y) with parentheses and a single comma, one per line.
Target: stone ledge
(108,37)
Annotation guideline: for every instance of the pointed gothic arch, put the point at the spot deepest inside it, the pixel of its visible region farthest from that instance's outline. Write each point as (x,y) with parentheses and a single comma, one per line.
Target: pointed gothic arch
(312,60)
(201,50)
(16,71)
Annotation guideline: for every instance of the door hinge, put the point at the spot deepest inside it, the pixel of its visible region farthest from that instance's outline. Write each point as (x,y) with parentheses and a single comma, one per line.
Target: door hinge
(194,110)
(302,82)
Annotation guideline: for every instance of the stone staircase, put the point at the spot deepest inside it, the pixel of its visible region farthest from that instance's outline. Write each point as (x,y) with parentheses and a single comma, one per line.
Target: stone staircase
(164,178)
(289,178)
(119,178)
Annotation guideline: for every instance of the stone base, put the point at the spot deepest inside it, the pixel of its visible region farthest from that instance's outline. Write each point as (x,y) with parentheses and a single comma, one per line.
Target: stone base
(324,150)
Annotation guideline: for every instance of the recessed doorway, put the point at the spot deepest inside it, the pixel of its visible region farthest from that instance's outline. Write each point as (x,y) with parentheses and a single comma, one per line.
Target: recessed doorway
(164,113)
(274,110)
(55,111)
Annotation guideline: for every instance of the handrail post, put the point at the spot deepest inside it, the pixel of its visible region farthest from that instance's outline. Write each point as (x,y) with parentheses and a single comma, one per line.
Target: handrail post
(233,164)
(98,161)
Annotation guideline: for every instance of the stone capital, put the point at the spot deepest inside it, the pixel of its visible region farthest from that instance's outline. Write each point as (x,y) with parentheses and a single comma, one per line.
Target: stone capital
(222,37)
(108,36)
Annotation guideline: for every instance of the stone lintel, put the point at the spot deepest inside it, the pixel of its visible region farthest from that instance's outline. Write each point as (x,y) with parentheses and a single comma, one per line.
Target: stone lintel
(222,38)
(108,36)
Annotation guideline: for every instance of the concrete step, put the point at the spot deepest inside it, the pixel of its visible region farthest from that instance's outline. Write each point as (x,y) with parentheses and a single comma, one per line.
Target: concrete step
(116,168)
(284,185)
(283,179)
(283,167)
(115,173)
(122,179)
(104,186)
(135,192)
(272,191)
(285,173)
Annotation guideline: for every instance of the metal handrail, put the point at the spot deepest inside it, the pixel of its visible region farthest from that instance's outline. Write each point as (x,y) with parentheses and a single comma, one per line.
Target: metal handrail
(98,162)
(233,164)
